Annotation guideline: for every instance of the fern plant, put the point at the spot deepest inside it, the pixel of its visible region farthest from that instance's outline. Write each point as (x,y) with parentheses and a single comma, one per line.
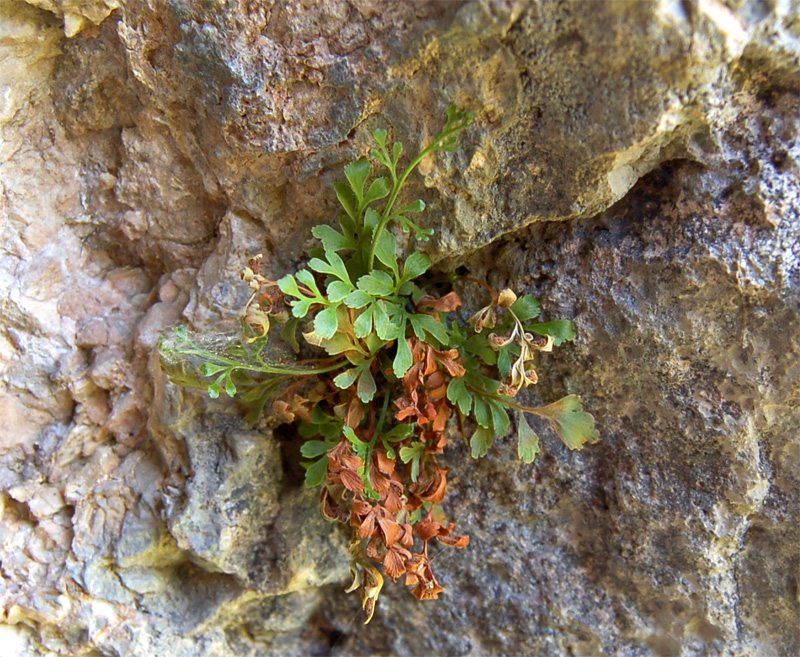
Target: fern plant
(393,365)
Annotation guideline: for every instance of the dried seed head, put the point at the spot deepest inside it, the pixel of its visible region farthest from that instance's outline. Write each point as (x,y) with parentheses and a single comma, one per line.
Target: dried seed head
(543,343)
(258,322)
(506,298)
(499,341)
(250,274)
(255,262)
(484,318)
(370,590)
(507,390)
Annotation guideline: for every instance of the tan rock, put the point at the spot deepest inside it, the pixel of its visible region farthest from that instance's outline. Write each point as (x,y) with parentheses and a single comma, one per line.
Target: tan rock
(77,13)
(148,148)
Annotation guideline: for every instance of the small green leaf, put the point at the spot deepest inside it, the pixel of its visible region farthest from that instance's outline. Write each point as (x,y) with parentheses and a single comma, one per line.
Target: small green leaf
(338,291)
(386,251)
(528,440)
(504,362)
(316,472)
(416,264)
(366,386)
(404,359)
(396,311)
(374,343)
(213,390)
(422,324)
(456,116)
(300,308)
(560,329)
(415,207)
(526,307)
(450,145)
(379,189)
(348,199)
(307,429)
(363,324)
(399,432)
(456,335)
(416,325)
(307,279)
(383,158)
(289,334)
(458,394)
(357,173)
(332,240)
(397,151)
(409,289)
(322,424)
(346,378)
(350,434)
(371,221)
(288,285)
(409,452)
(478,345)
(480,442)
(412,454)
(357,299)
(331,431)
(338,344)
(378,284)
(421,234)
(326,322)
(255,406)
(348,226)
(385,329)
(380,136)
(500,420)
(483,414)
(573,425)
(335,267)
(210,369)
(311,449)
(230,388)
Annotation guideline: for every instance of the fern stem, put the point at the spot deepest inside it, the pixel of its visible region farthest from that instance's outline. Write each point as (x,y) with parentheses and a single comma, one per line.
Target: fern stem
(252,367)
(387,211)
(371,446)
(535,410)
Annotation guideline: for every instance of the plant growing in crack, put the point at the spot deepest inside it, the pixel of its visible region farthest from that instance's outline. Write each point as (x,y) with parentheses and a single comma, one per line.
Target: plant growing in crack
(392,367)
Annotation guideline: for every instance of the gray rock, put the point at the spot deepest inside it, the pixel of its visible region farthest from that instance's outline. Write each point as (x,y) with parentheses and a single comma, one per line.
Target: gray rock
(634,165)
(103,583)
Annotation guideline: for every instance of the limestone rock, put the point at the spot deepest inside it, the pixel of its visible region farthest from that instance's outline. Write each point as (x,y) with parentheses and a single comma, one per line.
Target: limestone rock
(76,13)
(634,164)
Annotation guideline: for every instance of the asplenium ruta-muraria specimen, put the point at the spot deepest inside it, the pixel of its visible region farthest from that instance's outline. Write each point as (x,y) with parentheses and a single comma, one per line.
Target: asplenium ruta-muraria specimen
(391,367)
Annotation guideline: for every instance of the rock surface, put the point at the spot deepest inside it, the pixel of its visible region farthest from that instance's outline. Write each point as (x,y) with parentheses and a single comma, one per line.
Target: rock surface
(633,164)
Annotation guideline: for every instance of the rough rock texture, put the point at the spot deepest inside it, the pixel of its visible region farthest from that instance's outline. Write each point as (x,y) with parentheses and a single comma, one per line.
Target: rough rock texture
(148,148)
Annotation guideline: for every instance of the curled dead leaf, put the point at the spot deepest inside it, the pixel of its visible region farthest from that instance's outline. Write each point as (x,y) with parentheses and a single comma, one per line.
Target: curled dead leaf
(447,303)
